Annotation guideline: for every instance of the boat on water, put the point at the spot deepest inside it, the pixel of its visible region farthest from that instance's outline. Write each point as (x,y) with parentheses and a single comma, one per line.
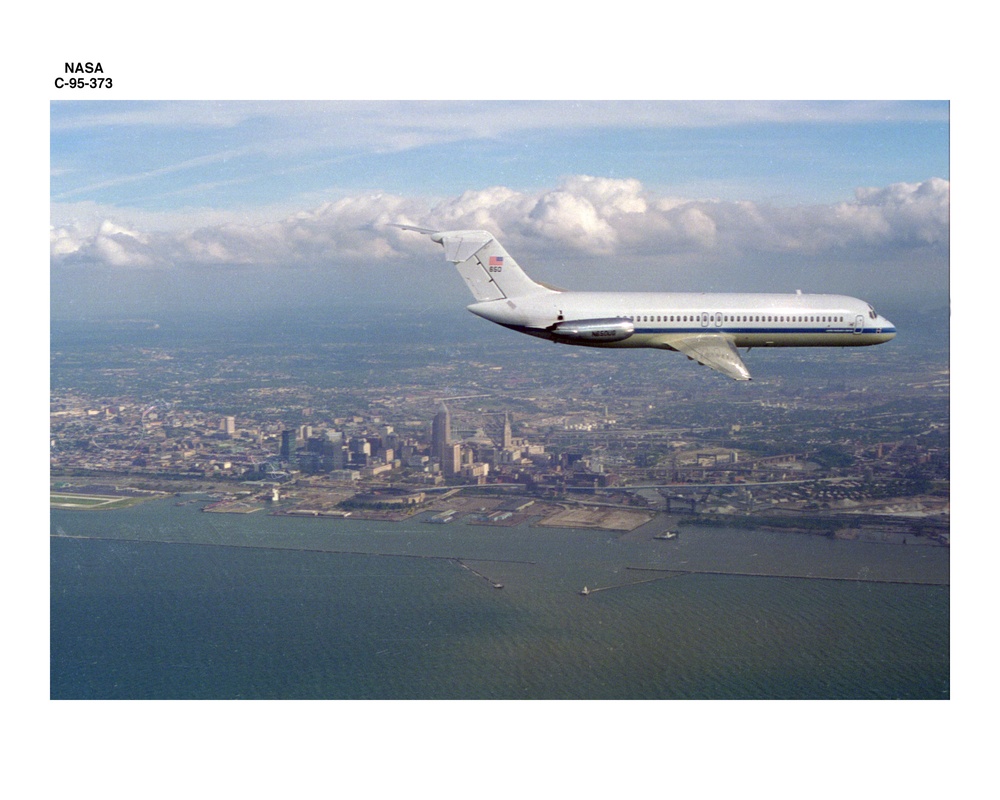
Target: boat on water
(666,535)
(585,591)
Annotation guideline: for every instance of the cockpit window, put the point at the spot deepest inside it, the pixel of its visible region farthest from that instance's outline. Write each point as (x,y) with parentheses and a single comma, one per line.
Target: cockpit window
(871,312)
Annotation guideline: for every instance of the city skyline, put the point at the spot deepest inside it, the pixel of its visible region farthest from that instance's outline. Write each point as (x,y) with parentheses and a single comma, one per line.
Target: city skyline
(200,408)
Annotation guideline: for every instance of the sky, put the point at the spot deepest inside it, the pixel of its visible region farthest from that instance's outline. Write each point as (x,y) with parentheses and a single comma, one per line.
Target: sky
(168,198)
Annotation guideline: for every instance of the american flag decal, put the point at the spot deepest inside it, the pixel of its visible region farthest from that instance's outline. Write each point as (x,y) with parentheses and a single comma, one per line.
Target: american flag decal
(496,261)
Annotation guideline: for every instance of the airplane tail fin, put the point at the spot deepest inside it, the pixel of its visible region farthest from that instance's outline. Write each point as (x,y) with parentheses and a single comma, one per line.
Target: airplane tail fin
(488,270)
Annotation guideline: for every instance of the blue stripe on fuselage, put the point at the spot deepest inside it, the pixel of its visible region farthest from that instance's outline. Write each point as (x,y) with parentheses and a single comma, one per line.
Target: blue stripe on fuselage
(724,330)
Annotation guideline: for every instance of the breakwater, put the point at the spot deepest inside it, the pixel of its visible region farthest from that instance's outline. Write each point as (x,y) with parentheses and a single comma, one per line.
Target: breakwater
(298,549)
(862,578)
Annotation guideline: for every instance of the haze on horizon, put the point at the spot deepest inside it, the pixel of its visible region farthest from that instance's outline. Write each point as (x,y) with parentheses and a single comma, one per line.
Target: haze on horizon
(170,207)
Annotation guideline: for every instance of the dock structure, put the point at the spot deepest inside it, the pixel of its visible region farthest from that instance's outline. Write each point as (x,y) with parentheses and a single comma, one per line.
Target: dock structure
(443,518)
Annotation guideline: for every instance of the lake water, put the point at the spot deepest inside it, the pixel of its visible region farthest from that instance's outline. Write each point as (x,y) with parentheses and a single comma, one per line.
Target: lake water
(164,601)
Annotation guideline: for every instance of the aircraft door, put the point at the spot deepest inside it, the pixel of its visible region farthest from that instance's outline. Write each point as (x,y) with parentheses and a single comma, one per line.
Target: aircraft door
(859,323)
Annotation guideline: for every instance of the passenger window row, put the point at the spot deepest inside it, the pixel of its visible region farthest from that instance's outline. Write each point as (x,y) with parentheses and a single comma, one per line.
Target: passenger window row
(736,318)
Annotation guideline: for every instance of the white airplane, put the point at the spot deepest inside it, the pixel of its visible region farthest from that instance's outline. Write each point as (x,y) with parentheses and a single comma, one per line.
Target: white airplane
(706,327)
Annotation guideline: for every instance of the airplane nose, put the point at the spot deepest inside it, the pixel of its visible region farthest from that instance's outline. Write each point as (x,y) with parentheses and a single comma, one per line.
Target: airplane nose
(888,329)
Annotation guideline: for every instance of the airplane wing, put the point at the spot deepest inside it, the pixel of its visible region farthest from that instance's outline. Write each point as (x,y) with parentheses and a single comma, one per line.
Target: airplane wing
(711,349)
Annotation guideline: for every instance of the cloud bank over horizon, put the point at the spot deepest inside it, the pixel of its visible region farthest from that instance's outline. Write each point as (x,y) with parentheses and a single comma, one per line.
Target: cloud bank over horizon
(591,216)
(185,197)
(584,219)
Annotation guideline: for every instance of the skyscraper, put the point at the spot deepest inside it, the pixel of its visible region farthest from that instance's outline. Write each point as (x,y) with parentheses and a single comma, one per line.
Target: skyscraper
(441,433)
(287,443)
(451,459)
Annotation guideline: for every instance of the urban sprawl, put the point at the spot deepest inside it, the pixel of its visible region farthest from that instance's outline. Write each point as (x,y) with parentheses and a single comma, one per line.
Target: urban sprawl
(841,456)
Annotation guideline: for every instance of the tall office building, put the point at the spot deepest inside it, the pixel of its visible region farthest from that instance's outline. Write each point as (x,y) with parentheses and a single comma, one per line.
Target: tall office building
(451,459)
(334,455)
(447,452)
(287,443)
(498,429)
(441,433)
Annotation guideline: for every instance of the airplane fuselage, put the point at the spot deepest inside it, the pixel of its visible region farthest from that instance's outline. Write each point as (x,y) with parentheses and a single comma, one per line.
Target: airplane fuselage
(749,320)
(706,327)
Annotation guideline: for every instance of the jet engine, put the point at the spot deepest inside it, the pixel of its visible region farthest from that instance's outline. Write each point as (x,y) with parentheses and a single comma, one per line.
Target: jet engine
(592,331)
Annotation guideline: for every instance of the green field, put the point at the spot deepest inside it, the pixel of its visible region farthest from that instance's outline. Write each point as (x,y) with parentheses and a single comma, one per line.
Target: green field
(90,501)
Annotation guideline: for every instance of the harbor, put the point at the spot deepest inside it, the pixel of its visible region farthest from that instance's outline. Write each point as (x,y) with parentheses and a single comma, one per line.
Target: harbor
(307,607)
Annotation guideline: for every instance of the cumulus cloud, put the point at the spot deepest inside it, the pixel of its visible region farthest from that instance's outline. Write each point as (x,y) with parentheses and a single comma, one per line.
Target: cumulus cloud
(111,244)
(570,219)
(918,212)
(589,215)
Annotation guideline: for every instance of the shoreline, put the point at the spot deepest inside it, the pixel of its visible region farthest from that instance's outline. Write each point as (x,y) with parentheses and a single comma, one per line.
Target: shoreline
(546,513)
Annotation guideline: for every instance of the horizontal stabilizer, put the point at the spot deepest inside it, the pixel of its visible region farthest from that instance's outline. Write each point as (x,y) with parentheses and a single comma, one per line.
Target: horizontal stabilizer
(412,228)
(460,246)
